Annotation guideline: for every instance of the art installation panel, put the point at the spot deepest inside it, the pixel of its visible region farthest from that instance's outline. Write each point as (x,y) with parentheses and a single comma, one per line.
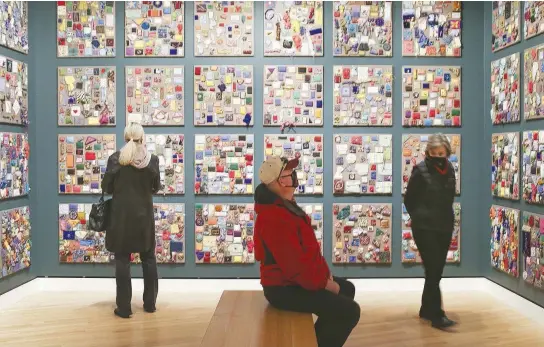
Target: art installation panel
(13,91)
(82,162)
(85,29)
(224,164)
(431,96)
(431,28)
(224,233)
(504,239)
(170,150)
(154,95)
(315,213)
(363,164)
(154,29)
(14,31)
(533,249)
(223,95)
(15,241)
(505,165)
(533,174)
(14,157)
(224,28)
(86,96)
(309,149)
(533,82)
(363,95)
(362,28)
(534,18)
(293,28)
(362,233)
(413,152)
(505,87)
(293,94)
(409,251)
(505,22)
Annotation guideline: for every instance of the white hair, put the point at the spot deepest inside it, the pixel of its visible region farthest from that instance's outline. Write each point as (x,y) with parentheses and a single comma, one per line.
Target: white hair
(134,135)
(438,140)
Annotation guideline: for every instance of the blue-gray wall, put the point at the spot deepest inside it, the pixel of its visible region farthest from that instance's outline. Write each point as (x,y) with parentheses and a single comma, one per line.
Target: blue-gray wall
(515,284)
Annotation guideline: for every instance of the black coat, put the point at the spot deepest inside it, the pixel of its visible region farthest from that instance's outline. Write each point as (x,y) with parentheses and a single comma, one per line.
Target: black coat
(429,197)
(132,225)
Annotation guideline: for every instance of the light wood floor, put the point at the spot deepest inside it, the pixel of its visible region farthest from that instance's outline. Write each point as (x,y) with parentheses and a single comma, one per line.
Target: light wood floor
(70,319)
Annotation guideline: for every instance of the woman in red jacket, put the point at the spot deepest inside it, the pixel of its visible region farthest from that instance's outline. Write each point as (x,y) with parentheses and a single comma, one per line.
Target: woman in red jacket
(294,274)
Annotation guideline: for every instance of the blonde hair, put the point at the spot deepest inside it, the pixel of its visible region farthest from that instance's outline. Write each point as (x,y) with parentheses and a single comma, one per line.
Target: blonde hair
(438,140)
(134,135)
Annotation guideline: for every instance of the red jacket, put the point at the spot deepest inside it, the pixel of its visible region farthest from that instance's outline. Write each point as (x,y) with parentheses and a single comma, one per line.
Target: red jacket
(285,244)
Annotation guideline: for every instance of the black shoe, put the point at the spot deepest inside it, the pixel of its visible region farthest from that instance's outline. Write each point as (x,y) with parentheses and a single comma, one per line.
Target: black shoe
(150,310)
(443,323)
(121,314)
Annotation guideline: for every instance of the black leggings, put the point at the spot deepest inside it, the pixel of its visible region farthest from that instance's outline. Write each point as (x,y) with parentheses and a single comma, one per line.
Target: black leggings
(337,314)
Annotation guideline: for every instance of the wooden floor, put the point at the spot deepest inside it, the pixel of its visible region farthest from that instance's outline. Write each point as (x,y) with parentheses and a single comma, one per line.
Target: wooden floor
(70,319)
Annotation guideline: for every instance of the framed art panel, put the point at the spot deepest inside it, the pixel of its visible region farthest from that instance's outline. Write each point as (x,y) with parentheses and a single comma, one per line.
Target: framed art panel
(86,96)
(15,244)
(315,212)
(532,226)
(533,172)
(293,94)
(223,95)
(505,24)
(82,162)
(505,165)
(85,29)
(533,82)
(154,95)
(431,28)
(170,151)
(293,28)
(14,32)
(431,96)
(224,234)
(504,239)
(309,149)
(14,159)
(362,28)
(409,251)
(154,29)
(224,164)
(13,91)
(363,95)
(413,152)
(363,164)
(224,28)
(505,90)
(533,13)
(361,233)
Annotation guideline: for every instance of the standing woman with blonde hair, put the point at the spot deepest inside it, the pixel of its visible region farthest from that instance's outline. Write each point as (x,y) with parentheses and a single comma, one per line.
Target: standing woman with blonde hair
(132,177)
(429,201)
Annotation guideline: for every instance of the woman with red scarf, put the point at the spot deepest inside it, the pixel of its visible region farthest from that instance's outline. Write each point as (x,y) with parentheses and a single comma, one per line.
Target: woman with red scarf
(429,201)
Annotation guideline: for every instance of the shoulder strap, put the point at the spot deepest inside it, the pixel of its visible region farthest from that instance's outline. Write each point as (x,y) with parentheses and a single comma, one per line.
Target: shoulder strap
(268,257)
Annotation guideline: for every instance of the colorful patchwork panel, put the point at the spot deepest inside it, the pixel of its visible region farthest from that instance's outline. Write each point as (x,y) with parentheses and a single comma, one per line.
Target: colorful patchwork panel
(505,90)
(533,82)
(505,165)
(315,212)
(14,32)
(505,24)
(533,249)
(14,92)
(533,12)
(170,150)
(14,156)
(504,239)
(15,241)
(533,171)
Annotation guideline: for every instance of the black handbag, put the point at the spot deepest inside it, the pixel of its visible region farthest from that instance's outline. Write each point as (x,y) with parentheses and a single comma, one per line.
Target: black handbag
(100,215)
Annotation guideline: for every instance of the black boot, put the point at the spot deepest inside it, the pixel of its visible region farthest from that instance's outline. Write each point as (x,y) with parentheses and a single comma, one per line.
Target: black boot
(121,314)
(443,323)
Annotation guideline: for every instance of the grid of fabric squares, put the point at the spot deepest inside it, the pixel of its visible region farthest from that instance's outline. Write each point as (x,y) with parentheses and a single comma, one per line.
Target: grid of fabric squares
(309,149)
(363,95)
(223,95)
(533,170)
(15,244)
(362,233)
(505,165)
(431,96)
(14,157)
(505,24)
(533,13)
(224,164)
(85,29)
(533,82)
(505,90)
(224,233)
(14,32)
(293,28)
(315,212)
(363,164)
(224,28)
(13,91)
(504,239)
(154,29)
(532,227)
(154,95)
(170,151)
(82,162)
(293,94)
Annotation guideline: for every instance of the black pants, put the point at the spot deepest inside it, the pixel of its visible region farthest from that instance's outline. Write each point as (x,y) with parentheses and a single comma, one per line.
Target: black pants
(124,285)
(433,247)
(337,314)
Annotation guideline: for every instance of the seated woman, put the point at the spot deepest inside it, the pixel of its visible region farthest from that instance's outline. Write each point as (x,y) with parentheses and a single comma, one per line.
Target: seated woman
(294,274)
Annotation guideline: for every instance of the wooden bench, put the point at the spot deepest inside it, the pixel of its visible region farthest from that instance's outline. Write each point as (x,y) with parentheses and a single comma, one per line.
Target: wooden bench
(245,319)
